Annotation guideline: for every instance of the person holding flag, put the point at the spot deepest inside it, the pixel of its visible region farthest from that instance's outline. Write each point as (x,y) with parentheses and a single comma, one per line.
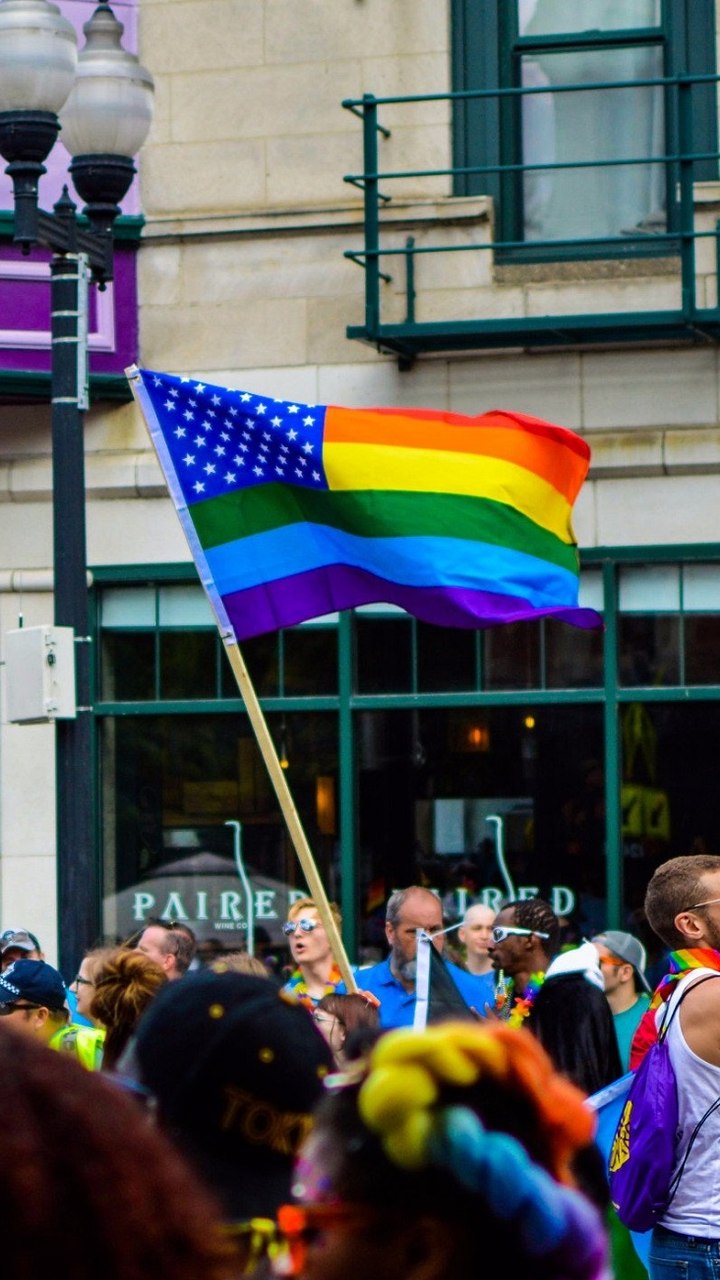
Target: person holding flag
(410,913)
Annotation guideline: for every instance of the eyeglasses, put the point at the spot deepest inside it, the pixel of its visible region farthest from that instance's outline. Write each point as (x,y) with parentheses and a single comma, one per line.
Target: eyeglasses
(710,903)
(307,926)
(503,931)
(7,1009)
(301,1224)
(81,982)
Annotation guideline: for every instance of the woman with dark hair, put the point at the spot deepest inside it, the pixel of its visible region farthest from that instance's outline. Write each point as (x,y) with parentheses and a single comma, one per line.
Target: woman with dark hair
(125,983)
(350,1023)
(445,1139)
(88,1188)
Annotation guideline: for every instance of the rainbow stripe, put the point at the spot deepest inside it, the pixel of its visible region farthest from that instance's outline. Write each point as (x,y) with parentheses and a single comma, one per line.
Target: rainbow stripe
(293,511)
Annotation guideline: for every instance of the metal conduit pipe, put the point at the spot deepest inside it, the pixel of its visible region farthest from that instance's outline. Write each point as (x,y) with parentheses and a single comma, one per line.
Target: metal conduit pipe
(30,580)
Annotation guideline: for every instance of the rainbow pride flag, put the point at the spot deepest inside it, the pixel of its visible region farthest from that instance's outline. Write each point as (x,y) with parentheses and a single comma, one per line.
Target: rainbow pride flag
(293,511)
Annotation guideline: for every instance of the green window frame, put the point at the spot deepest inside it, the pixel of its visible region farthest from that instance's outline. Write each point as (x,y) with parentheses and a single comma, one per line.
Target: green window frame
(486,55)
(140,606)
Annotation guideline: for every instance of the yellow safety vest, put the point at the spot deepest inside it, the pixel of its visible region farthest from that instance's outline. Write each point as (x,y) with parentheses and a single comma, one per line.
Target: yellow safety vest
(84,1043)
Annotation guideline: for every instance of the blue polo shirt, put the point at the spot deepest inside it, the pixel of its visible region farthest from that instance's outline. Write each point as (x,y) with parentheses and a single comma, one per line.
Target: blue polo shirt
(397,1006)
(477,989)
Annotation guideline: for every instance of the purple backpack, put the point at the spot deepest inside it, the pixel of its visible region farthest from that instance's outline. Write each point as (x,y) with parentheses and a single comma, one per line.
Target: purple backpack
(642,1156)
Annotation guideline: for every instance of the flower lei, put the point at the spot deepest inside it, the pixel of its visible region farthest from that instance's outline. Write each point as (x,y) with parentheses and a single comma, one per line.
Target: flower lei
(516,1013)
(301,993)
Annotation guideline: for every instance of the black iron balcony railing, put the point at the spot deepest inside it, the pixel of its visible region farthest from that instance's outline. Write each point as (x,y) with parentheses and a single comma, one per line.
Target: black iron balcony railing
(442,272)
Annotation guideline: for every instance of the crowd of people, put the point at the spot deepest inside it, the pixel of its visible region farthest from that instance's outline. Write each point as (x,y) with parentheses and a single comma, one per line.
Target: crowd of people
(207,1119)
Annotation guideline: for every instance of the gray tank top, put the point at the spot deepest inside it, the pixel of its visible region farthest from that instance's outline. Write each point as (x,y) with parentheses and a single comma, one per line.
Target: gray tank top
(695,1209)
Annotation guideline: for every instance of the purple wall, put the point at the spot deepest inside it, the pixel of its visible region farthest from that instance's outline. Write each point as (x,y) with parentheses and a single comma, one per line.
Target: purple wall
(25,313)
(25,281)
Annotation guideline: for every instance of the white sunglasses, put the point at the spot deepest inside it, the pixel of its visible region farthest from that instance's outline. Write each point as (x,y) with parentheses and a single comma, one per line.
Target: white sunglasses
(503,931)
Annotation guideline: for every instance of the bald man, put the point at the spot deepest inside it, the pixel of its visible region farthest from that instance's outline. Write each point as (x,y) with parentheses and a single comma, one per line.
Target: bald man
(475,933)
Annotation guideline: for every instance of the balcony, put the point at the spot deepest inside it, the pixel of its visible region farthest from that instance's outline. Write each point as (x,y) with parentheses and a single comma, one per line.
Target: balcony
(447,272)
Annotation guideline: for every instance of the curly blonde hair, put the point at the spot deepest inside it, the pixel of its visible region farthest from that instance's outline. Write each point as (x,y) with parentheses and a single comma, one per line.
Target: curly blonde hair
(125,983)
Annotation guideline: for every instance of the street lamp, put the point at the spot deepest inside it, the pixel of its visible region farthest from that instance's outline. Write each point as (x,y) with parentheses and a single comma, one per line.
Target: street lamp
(103,98)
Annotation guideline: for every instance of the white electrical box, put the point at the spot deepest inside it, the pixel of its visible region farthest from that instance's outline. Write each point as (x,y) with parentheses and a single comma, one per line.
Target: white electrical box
(40,675)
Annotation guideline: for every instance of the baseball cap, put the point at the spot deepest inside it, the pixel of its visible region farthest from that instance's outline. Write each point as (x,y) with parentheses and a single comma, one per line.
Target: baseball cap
(236,1070)
(628,948)
(22,939)
(34,981)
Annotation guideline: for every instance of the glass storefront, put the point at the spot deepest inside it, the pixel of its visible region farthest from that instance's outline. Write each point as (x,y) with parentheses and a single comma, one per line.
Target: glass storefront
(522,759)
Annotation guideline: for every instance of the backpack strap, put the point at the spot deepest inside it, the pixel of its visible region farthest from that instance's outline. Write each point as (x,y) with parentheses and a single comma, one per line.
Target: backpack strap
(685,988)
(678,996)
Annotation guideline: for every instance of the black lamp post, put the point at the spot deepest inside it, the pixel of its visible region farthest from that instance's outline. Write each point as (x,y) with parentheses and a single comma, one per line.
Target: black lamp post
(103,98)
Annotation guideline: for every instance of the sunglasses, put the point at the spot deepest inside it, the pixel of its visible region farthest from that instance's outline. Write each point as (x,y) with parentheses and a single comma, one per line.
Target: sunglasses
(7,1009)
(615,964)
(503,931)
(710,903)
(301,1224)
(307,926)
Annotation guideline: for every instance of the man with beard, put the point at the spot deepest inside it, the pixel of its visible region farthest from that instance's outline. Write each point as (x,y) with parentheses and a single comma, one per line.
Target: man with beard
(393,980)
(682,905)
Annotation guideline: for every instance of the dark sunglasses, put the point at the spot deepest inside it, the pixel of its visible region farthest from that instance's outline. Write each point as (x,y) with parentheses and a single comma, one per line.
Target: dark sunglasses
(307,926)
(6,1009)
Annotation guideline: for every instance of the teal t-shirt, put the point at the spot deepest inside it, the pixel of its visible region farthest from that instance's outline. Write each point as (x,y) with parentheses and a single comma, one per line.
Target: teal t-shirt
(625,1024)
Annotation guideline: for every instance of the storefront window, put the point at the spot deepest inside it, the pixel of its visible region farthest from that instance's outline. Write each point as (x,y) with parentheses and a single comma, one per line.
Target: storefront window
(446,659)
(671,758)
(310,661)
(512,656)
(175,786)
(188,665)
(429,780)
(384,652)
(127,666)
(446,729)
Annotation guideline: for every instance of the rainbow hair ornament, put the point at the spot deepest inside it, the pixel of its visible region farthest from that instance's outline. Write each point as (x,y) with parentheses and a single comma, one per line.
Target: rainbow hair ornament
(400,1099)
(551,1219)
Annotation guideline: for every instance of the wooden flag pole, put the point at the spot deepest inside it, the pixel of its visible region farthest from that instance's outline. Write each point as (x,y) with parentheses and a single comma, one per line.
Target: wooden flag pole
(294,826)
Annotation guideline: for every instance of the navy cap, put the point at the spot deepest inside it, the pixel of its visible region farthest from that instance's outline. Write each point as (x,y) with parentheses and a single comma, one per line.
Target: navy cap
(33,981)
